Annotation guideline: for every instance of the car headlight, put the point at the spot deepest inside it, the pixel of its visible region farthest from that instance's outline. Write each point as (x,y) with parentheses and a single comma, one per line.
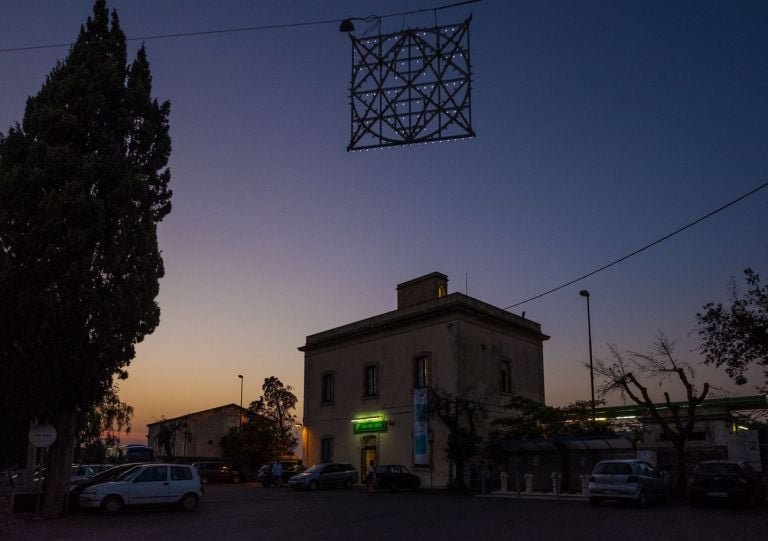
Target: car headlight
(90,490)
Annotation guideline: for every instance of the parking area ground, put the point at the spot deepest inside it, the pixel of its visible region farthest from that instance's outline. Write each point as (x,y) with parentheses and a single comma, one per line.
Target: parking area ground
(249,511)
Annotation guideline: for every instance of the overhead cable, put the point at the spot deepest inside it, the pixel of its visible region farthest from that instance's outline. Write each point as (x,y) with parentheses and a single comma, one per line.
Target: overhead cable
(242,29)
(654,243)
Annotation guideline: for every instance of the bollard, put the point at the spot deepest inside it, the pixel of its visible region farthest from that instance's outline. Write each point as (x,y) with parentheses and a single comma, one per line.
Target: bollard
(584,484)
(504,478)
(556,483)
(528,482)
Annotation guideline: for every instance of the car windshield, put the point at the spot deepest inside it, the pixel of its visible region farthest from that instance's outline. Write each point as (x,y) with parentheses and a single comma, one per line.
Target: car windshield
(613,468)
(128,474)
(719,469)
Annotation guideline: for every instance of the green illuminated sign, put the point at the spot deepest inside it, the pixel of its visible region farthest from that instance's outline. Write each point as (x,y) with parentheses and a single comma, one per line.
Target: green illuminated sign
(369,425)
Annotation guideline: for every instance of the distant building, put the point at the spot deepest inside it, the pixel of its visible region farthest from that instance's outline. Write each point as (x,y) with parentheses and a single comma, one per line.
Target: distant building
(195,435)
(366,383)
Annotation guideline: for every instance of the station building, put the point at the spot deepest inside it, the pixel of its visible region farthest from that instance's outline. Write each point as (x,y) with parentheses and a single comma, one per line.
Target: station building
(367,383)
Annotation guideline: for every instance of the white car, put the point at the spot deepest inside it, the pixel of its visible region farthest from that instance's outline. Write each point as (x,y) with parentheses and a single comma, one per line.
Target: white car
(147,484)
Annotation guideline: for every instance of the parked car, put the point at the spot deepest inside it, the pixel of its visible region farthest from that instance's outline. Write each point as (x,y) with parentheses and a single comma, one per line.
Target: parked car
(726,481)
(147,484)
(76,488)
(395,477)
(217,472)
(290,469)
(325,475)
(626,480)
(80,472)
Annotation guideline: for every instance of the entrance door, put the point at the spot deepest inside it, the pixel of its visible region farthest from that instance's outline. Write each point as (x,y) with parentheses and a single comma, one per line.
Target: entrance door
(368,453)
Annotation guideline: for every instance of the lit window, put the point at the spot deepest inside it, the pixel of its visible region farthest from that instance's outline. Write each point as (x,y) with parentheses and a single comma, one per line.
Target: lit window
(441,291)
(421,372)
(328,384)
(371,380)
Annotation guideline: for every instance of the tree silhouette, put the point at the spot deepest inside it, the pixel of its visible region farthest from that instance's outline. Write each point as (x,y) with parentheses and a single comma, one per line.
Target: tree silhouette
(737,336)
(625,375)
(83,184)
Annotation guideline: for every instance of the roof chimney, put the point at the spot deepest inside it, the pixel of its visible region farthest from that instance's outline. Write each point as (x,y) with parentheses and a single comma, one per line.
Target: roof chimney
(423,289)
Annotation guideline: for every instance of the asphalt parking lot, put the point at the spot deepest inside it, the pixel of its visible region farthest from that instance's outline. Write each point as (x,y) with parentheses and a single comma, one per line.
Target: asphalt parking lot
(249,511)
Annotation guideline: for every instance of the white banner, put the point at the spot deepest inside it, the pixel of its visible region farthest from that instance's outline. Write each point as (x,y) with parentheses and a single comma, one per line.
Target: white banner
(420,427)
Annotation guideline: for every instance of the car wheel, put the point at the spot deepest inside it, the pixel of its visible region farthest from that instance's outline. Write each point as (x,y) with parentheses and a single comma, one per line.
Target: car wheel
(235,479)
(595,502)
(642,500)
(204,479)
(188,502)
(111,505)
(348,482)
(313,485)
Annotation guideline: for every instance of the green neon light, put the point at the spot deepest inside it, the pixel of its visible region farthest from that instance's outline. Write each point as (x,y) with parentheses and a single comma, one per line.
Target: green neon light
(367,419)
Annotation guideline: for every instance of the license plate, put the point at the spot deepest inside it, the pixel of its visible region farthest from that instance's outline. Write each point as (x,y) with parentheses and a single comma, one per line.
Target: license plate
(717,494)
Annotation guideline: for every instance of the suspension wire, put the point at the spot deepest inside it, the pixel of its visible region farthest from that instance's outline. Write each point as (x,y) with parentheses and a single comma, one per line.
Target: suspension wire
(649,245)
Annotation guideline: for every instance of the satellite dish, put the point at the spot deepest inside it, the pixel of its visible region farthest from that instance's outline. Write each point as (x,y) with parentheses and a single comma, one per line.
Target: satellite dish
(42,435)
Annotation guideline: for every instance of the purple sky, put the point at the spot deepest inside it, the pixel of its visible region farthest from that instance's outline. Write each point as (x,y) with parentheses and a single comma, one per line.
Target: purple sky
(602,126)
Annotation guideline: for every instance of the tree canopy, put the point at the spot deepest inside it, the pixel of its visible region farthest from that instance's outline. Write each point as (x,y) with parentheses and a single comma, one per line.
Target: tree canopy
(83,185)
(534,420)
(267,433)
(737,336)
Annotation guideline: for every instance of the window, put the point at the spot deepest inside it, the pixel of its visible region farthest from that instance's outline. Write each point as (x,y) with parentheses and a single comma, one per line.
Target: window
(505,377)
(153,474)
(371,380)
(180,473)
(326,449)
(328,387)
(421,372)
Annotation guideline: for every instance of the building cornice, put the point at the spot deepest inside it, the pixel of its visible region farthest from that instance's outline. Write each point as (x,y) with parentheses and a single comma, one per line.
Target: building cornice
(455,303)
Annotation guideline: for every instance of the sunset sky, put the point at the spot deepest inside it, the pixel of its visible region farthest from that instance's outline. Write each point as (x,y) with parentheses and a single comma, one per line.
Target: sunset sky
(601,126)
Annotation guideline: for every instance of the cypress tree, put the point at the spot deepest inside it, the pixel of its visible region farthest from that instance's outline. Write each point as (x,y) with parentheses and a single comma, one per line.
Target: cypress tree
(83,185)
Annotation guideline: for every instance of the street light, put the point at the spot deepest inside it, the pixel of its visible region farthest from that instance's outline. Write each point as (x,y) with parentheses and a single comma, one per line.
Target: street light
(241,400)
(585,293)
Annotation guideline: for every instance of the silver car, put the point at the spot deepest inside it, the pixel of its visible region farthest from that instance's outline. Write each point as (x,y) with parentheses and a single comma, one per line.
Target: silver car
(626,480)
(174,484)
(325,475)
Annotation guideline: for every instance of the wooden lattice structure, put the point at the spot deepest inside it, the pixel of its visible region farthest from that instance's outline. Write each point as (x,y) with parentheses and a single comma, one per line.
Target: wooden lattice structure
(412,86)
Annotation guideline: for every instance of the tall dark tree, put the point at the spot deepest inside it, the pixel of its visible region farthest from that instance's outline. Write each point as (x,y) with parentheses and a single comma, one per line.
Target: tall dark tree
(737,336)
(83,185)
(461,416)
(276,407)
(627,374)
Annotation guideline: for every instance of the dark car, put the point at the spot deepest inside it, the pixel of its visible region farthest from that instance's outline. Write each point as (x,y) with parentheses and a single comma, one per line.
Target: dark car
(289,470)
(393,477)
(77,488)
(726,481)
(325,475)
(217,472)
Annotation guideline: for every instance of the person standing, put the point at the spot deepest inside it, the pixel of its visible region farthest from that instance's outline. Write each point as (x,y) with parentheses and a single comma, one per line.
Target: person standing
(370,478)
(277,474)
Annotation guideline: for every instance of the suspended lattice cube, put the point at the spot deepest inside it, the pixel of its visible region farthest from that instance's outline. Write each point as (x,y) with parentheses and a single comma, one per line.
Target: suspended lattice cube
(412,86)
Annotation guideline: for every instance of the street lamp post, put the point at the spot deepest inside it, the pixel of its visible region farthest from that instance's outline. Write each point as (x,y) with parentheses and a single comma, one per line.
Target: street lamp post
(241,400)
(585,293)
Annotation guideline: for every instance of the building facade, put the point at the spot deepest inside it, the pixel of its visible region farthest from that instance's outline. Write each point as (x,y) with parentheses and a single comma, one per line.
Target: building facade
(195,435)
(367,384)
